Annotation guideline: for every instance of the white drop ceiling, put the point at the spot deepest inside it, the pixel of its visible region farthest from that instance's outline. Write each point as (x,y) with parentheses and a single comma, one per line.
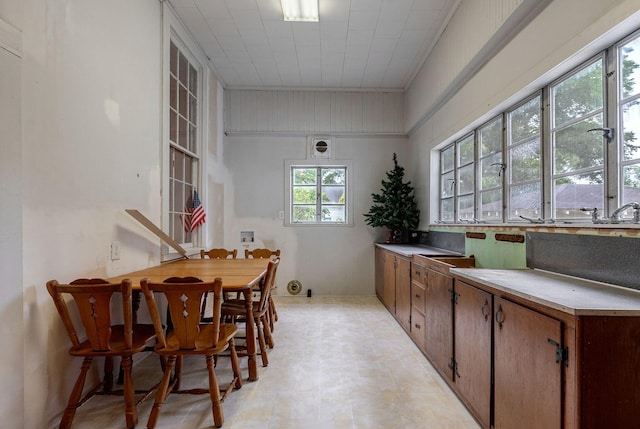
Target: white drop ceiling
(358,44)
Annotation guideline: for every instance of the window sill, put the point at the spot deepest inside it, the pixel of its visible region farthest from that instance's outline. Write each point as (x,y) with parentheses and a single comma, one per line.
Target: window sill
(628,229)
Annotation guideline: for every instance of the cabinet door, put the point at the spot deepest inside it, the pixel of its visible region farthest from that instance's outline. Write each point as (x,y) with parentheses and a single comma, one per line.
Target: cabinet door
(527,376)
(379,264)
(389,289)
(403,292)
(438,324)
(472,349)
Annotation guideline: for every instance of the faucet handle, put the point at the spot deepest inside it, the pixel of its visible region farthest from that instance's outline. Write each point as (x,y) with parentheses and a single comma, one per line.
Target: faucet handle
(594,214)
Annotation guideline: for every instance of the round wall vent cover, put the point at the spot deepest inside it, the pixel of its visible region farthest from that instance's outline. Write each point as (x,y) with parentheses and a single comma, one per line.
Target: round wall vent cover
(294,287)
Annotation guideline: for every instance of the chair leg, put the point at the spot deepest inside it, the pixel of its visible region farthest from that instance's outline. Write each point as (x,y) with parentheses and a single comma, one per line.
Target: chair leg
(267,335)
(162,393)
(273,313)
(76,395)
(235,364)
(131,414)
(214,393)
(263,346)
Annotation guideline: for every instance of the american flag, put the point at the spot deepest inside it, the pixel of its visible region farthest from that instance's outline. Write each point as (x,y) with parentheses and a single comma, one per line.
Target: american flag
(198,215)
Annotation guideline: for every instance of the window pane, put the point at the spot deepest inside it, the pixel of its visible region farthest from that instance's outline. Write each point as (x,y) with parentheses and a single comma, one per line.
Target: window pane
(629,59)
(304,213)
(333,176)
(572,193)
(465,208)
(304,195)
(183,70)
(631,130)
(466,179)
(525,162)
(193,79)
(304,176)
(173,59)
(576,148)
(578,95)
(525,201)
(631,190)
(173,93)
(333,194)
(332,214)
(465,151)
(491,168)
(446,159)
(446,185)
(491,137)
(524,122)
(446,210)
(491,208)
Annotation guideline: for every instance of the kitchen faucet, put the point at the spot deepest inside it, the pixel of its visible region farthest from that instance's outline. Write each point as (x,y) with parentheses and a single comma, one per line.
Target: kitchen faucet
(615,216)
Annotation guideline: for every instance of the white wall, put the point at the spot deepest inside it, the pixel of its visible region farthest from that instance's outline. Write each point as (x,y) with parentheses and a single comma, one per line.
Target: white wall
(554,40)
(91,93)
(329,260)
(11,322)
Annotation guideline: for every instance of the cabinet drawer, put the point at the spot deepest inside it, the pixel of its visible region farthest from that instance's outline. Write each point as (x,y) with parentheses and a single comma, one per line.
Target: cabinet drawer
(417,328)
(418,292)
(418,274)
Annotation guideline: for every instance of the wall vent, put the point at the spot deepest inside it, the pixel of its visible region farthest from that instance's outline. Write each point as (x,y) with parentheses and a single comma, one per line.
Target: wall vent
(320,148)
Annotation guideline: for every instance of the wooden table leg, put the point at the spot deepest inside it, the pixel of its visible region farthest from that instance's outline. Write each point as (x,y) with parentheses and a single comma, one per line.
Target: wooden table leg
(251,335)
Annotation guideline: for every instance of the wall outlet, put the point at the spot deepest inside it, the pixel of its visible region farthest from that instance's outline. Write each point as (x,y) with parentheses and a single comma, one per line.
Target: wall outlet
(281,214)
(115,250)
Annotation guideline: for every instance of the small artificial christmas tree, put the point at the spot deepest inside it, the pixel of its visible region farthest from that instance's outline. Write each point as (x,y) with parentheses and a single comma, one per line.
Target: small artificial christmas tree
(395,207)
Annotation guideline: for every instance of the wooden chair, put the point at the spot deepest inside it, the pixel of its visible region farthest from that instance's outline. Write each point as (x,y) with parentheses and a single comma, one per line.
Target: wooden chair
(235,309)
(93,299)
(188,336)
(220,253)
(261,254)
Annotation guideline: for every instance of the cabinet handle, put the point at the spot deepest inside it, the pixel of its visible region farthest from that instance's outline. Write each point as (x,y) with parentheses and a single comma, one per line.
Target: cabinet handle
(485,310)
(500,316)
(417,296)
(417,326)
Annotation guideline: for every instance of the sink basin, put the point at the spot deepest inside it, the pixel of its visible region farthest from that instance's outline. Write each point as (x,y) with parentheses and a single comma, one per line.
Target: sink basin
(443,264)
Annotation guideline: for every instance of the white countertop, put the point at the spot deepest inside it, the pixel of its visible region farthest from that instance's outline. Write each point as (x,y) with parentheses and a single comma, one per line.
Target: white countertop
(417,249)
(571,295)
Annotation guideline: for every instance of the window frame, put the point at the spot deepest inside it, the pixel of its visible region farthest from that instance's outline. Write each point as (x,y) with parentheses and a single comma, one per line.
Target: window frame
(318,164)
(613,162)
(174,32)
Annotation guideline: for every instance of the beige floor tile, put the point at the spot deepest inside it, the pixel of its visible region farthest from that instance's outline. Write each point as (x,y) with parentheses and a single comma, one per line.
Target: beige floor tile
(338,363)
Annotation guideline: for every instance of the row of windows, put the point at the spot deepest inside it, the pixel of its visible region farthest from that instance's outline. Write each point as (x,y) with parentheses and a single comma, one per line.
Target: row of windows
(568,149)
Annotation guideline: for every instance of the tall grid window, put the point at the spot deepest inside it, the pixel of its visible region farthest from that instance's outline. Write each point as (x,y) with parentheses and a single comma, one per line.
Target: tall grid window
(491,170)
(318,195)
(457,181)
(577,106)
(183,143)
(524,160)
(558,163)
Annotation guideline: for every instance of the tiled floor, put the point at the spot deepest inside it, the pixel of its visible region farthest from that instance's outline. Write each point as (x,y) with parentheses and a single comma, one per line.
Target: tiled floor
(338,363)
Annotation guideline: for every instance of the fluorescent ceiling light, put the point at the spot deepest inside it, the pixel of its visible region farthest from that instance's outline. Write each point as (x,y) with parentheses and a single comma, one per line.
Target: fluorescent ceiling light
(300,10)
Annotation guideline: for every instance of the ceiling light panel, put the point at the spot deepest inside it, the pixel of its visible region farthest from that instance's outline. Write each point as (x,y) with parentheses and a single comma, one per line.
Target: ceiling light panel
(300,10)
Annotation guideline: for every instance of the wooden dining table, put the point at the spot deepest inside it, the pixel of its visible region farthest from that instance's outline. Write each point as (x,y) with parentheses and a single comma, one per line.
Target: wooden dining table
(238,275)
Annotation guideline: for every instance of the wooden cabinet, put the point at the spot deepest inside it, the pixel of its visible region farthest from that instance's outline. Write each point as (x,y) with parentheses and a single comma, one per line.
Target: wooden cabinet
(393,284)
(438,311)
(472,344)
(403,291)
(527,373)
